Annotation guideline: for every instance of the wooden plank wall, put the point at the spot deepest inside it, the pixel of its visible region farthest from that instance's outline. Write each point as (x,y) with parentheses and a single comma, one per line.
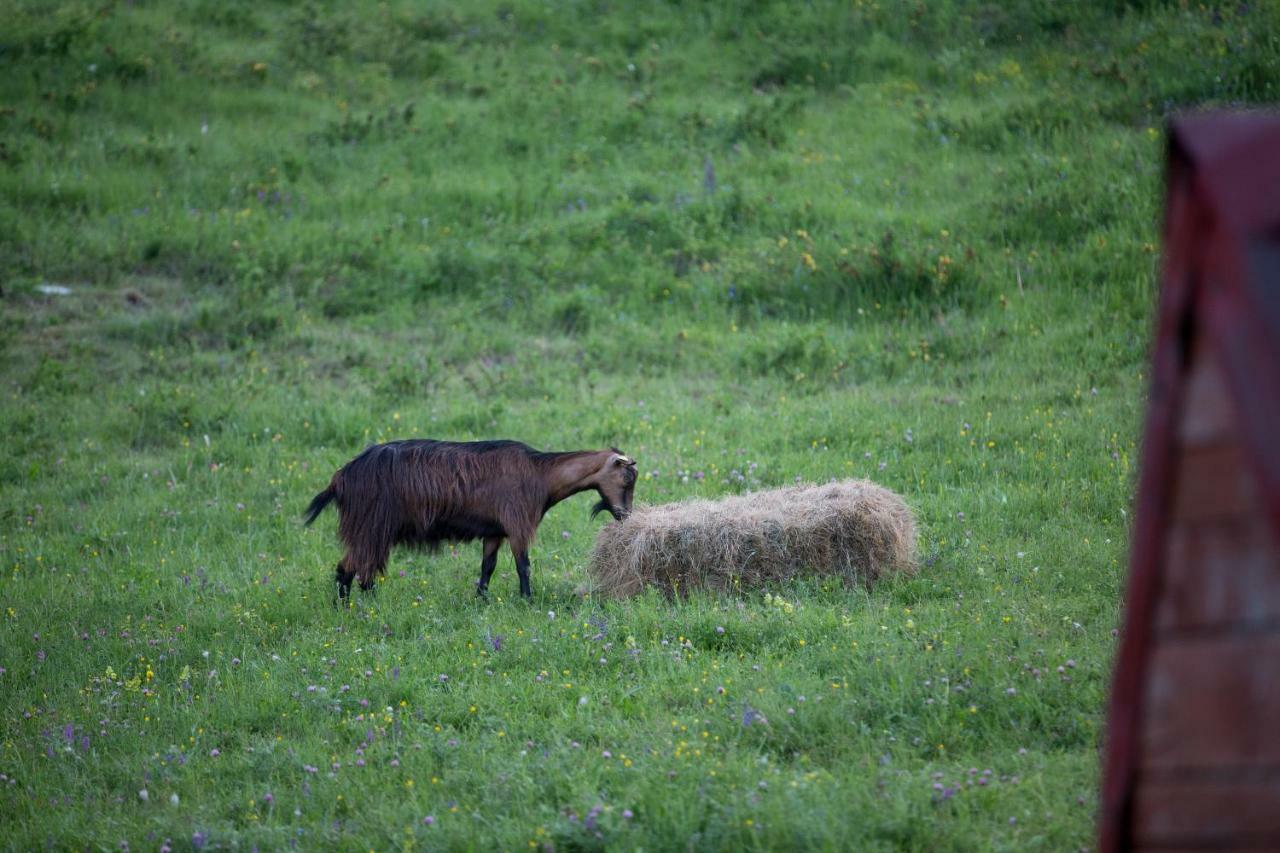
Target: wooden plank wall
(1209,766)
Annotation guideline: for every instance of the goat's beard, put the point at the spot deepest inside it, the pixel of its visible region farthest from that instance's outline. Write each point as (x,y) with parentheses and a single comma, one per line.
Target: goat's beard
(605,506)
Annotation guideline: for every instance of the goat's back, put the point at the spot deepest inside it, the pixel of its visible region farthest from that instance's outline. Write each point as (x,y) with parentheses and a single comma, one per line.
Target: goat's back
(423,490)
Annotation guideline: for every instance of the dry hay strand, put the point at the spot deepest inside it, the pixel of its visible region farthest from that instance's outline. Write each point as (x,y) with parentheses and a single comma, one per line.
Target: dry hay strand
(852,529)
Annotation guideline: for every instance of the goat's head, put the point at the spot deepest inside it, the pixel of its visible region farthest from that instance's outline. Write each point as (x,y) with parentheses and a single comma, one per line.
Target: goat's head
(615,482)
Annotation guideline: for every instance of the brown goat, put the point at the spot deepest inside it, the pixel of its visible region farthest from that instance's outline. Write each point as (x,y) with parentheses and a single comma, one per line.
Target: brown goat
(422,492)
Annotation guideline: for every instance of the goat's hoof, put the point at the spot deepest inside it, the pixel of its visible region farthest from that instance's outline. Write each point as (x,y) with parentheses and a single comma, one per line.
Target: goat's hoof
(482,593)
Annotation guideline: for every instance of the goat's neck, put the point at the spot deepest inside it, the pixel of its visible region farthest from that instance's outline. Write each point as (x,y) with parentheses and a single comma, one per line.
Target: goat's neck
(570,474)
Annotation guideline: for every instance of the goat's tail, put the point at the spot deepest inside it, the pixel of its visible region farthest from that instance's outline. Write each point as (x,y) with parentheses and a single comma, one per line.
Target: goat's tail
(318,503)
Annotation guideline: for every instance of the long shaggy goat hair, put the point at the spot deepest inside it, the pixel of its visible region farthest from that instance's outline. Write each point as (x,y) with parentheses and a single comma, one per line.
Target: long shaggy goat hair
(852,529)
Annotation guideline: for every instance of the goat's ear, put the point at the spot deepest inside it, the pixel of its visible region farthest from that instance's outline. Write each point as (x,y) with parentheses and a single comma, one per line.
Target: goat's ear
(624,460)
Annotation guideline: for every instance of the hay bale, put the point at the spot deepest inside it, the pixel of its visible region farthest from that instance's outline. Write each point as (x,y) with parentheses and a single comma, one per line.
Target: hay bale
(851,529)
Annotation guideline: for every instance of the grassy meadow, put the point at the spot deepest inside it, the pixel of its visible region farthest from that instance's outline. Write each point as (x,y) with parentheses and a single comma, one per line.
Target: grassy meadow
(749,244)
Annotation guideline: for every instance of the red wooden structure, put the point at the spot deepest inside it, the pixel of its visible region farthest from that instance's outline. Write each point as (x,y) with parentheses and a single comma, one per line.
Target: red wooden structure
(1193,732)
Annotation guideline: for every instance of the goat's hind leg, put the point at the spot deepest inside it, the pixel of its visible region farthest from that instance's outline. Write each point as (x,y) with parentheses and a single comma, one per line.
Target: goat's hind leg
(368,573)
(358,568)
(343,579)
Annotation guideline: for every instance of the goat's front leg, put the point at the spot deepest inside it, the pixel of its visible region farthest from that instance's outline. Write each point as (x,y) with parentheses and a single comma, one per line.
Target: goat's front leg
(522,569)
(487,564)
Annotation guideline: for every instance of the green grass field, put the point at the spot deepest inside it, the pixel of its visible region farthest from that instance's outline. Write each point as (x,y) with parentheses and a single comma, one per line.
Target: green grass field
(748,244)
